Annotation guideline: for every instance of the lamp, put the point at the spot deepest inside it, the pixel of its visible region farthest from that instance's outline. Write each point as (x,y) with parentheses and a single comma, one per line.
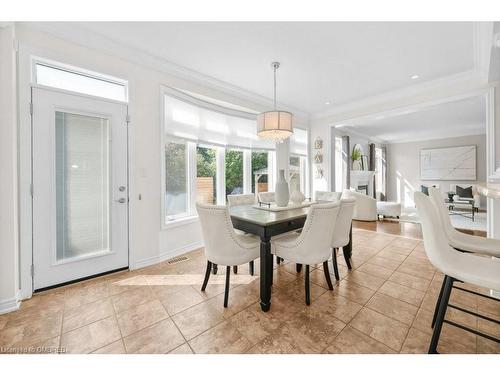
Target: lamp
(276,125)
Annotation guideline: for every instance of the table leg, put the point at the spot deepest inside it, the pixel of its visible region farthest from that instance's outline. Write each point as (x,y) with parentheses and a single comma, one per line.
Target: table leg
(266,273)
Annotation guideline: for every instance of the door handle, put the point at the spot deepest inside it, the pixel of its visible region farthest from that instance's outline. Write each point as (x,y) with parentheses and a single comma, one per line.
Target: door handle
(121,200)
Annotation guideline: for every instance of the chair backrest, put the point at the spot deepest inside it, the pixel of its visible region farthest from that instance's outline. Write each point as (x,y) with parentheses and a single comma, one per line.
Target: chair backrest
(221,245)
(343,223)
(316,236)
(331,196)
(266,197)
(241,199)
(438,200)
(440,253)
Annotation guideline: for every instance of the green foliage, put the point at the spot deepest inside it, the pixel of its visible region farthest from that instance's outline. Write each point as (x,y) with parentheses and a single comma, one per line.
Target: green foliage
(356,154)
(175,167)
(234,170)
(206,164)
(259,161)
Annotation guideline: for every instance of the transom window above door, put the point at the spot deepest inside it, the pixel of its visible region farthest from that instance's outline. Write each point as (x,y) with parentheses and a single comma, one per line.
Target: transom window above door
(70,78)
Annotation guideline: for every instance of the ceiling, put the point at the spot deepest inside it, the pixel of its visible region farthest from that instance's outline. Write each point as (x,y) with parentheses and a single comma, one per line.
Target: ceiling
(335,62)
(453,119)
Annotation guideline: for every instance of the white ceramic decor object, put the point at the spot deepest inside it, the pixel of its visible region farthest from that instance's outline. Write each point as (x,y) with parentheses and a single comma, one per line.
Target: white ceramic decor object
(296,196)
(282,194)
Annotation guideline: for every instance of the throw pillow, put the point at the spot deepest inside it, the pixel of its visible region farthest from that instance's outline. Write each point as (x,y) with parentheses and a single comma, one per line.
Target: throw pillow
(464,192)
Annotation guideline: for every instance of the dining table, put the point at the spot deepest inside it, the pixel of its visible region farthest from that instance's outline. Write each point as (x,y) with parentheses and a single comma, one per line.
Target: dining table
(267,224)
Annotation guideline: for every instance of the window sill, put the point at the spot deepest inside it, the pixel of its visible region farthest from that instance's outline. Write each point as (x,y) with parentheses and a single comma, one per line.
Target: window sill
(179,222)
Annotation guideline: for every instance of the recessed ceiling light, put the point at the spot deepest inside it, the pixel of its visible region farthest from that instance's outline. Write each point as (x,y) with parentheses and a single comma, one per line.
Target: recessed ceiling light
(415,76)
(327,102)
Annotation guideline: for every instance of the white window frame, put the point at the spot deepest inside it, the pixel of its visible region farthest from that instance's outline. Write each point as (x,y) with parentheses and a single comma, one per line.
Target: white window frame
(35,60)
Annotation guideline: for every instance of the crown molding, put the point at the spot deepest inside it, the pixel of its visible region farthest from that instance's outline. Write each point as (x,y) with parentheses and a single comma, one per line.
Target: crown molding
(75,33)
(462,134)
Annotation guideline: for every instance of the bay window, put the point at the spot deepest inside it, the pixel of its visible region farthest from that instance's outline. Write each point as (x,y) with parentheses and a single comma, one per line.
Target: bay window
(211,151)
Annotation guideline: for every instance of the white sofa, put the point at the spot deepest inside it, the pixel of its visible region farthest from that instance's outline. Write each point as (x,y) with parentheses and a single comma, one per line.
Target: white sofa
(389,209)
(365,207)
(332,196)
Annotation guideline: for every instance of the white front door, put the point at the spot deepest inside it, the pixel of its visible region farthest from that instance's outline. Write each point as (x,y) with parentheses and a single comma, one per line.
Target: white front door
(80,187)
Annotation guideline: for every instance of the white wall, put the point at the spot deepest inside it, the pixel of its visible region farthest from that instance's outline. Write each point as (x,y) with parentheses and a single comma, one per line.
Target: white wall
(403,162)
(8,173)
(149,242)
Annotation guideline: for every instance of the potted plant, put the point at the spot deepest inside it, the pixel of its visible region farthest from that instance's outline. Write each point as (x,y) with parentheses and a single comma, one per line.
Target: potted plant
(356,159)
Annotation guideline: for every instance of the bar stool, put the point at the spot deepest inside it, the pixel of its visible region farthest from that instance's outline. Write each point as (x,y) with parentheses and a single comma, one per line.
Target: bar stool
(456,266)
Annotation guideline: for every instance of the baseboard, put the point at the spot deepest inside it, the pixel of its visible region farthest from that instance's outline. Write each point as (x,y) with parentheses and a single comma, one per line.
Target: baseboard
(166,255)
(9,305)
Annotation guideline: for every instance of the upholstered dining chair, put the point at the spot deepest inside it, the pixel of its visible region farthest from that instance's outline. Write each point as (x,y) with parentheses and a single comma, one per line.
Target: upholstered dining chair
(460,240)
(313,244)
(223,246)
(457,266)
(267,197)
(331,196)
(241,199)
(341,232)
(365,208)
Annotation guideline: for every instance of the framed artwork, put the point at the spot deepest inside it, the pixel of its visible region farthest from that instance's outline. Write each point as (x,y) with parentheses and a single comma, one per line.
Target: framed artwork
(449,163)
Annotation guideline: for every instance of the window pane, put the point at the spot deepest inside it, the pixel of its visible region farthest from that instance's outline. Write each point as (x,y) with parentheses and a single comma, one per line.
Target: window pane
(234,172)
(206,169)
(295,174)
(259,172)
(71,81)
(176,179)
(82,185)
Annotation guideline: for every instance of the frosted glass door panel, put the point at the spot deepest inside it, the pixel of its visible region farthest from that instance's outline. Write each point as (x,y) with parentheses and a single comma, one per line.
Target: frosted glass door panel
(82,185)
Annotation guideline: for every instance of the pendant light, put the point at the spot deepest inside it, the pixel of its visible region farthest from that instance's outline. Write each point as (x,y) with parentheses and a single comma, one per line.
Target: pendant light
(275,124)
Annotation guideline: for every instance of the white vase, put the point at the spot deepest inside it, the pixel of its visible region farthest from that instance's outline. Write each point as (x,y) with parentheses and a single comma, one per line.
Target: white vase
(296,196)
(356,165)
(281,192)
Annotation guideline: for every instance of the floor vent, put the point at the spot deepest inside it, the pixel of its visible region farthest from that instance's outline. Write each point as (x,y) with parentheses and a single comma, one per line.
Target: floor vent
(178,260)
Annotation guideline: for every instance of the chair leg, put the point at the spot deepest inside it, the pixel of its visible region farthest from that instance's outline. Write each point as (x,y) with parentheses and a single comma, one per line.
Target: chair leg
(335,265)
(278,260)
(308,291)
(250,266)
(214,268)
(448,284)
(235,269)
(327,275)
(226,290)
(207,276)
(438,303)
(298,267)
(347,260)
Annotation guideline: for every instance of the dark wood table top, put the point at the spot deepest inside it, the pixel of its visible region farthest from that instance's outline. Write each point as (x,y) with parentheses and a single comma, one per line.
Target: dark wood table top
(266,218)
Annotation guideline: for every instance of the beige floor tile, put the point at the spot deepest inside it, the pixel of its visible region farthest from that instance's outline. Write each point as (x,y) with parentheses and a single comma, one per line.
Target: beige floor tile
(417,342)
(183,349)
(354,292)
(283,341)
(393,308)
(79,295)
(407,243)
(392,255)
(132,298)
(402,293)
(27,332)
(140,317)
(116,347)
(390,264)
(336,306)
(79,316)
(380,327)
(254,325)
(161,337)
(352,341)
(314,330)
(239,298)
(198,319)
(365,279)
(222,339)
(410,281)
(181,300)
(91,337)
(416,271)
(378,271)
(296,290)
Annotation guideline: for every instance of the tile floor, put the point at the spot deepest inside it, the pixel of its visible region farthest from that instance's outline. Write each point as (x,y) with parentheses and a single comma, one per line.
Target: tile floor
(383,305)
